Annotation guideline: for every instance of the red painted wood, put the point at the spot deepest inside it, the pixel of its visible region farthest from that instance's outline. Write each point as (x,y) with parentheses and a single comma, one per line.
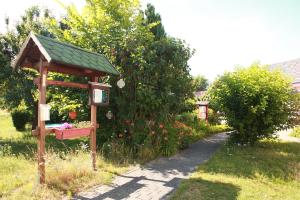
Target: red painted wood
(72,133)
(68,84)
(72,70)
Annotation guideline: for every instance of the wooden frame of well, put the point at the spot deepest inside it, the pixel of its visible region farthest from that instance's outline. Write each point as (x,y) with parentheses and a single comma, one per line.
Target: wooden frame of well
(35,53)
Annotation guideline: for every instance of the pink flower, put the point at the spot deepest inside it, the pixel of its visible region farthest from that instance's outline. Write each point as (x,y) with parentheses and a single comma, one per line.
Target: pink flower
(66,126)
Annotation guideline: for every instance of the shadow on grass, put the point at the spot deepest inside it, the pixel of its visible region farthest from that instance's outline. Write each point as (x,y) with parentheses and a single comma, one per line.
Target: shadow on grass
(27,145)
(196,188)
(275,160)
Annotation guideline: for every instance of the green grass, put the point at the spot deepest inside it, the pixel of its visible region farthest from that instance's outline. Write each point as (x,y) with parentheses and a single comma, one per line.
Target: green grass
(269,170)
(296,132)
(68,165)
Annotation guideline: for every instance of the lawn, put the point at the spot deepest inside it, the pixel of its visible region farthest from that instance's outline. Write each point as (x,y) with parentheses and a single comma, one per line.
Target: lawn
(296,132)
(68,166)
(269,170)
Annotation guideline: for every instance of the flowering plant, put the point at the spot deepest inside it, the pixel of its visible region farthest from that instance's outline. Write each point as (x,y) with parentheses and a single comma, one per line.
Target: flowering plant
(82,124)
(65,126)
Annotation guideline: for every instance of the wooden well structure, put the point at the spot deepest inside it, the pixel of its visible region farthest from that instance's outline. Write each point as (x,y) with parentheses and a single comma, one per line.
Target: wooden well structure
(45,55)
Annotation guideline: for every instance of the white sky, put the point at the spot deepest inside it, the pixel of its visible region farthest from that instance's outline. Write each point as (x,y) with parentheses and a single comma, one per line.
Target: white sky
(224,33)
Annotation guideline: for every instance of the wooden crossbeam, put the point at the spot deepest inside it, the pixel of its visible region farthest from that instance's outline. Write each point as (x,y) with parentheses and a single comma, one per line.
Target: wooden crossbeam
(63,83)
(53,67)
(68,84)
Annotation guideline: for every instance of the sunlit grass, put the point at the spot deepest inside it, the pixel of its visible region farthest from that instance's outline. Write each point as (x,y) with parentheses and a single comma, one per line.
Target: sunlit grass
(7,130)
(269,170)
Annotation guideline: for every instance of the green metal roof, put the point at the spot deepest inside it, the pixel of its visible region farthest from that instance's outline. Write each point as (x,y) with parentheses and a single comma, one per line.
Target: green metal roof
(64,53)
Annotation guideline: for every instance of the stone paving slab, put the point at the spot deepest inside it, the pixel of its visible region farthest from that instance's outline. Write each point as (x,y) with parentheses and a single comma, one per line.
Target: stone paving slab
(159,178)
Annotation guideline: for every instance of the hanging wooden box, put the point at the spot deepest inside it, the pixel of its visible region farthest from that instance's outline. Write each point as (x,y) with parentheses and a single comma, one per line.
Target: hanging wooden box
(72,133)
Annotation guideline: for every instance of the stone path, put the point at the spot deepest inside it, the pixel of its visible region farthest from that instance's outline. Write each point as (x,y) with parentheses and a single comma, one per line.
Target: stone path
(284,135)
(159,178)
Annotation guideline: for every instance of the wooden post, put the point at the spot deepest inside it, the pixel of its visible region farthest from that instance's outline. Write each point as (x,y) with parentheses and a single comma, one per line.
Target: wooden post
(206,114)
(41,124)
(94,124)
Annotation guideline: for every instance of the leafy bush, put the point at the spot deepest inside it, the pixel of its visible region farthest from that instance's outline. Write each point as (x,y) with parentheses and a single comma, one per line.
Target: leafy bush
(20,117)
(255,101)
(214,118)
(143,141)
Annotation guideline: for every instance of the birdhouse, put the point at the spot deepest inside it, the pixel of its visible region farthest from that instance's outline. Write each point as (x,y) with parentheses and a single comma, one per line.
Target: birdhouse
(99,93)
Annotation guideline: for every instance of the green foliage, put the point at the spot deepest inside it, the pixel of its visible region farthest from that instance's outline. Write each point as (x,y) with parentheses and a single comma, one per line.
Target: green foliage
(152,139)
(20,117)
(255,101)
(200,83)
(295,132)
(214,117)
(154,18)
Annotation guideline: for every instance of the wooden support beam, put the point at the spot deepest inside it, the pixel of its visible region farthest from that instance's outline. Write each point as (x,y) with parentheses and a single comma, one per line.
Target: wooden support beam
(63,83)
(68,84)
(94,124)
(41,124)
(71,70)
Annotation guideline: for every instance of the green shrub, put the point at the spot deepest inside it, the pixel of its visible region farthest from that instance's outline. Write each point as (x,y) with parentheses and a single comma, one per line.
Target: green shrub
(214,118)
(20,118)
(169,141)
(188,118)
(255,101)
(144,140)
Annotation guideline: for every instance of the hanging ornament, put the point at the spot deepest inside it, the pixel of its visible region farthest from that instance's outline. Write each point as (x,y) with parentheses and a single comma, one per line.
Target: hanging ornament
(109,115)
(121,83)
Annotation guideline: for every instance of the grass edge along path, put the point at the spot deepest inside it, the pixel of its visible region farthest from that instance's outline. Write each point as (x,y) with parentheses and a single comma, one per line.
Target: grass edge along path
(269,170)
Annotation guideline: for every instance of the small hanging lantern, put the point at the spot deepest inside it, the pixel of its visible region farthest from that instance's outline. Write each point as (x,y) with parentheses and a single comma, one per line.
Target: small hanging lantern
(121,83)
(109,115)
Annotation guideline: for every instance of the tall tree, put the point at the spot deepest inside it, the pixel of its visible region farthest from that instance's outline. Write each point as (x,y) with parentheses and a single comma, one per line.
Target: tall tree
(153,65)
(151,17)
(200,83)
